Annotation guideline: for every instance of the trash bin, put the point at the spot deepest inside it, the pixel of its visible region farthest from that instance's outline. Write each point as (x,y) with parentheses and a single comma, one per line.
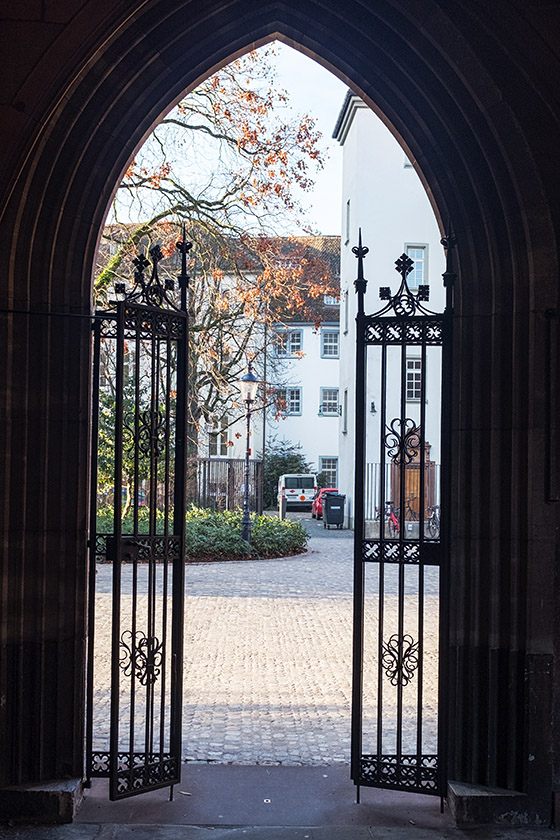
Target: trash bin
(333,510)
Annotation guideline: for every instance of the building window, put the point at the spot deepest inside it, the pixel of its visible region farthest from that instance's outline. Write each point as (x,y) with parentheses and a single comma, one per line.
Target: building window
(218,439)
(329,466)
(330,300)
(329,402)
(290,400)
(290,342)
(329,344)
(418,275)
(413,379)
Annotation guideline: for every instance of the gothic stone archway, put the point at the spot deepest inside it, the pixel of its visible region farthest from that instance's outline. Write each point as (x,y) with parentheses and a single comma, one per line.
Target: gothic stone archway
(470,90)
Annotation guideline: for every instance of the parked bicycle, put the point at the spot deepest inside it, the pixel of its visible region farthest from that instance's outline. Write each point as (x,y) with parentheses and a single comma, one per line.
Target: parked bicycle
(391,517)
(433,521)
(410,513)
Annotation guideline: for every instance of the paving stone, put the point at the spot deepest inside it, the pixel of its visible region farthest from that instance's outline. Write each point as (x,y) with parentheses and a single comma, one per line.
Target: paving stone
(268,648)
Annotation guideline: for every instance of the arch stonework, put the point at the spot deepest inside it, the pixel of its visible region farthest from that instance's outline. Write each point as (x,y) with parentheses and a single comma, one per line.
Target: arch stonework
(471,91)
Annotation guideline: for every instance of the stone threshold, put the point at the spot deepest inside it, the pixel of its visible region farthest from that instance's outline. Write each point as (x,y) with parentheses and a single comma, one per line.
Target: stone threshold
(52,802)
(479,805)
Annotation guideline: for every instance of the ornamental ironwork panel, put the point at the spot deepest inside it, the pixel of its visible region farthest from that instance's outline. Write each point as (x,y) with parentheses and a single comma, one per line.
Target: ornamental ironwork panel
(401,492)
(137,526)
(428,330)
(406,773)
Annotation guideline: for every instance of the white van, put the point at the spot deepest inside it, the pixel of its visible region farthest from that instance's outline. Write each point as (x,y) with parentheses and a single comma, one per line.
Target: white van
(298,489)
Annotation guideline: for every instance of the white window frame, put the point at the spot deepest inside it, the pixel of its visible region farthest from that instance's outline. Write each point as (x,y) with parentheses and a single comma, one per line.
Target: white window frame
(327,332)
(218,439)
(328,407)
(414,378)
(285,395)
(412,280)
(334,458)
(284,347)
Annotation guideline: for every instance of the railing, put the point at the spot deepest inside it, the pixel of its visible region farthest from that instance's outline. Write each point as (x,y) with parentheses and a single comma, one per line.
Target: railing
(220,484)
(372,499)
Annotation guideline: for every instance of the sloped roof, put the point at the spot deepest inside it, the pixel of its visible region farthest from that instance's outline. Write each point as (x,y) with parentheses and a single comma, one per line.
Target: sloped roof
(236,255)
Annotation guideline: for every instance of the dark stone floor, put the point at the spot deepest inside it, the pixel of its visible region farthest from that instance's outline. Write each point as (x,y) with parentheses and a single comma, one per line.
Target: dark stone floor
(233,795)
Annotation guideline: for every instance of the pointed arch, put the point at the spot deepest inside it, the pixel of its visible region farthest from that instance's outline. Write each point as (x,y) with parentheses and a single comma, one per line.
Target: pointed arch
(468,89)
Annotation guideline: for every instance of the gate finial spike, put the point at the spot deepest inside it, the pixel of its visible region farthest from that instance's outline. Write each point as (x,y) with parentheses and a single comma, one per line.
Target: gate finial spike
(360,251)
(360,283)
(449,241)
(183,246)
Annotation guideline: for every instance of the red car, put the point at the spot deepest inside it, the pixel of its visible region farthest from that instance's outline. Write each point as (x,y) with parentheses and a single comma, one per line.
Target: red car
(317,503)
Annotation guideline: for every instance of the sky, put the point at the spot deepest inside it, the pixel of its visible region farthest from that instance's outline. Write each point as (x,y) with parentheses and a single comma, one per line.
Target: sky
(317,92)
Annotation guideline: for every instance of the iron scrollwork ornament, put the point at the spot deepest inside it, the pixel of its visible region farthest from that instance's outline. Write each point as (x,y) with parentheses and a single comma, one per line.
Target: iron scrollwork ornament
(400,659)
(403,444)
(151,432)
(143,654)
(153,292)
(405,303)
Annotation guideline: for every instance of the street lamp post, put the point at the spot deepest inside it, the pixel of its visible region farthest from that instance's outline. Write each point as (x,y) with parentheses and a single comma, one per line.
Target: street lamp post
(248,386)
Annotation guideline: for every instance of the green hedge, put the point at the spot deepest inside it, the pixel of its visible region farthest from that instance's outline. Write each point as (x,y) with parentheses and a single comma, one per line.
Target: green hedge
(216,535)
(105,521)
(273,537)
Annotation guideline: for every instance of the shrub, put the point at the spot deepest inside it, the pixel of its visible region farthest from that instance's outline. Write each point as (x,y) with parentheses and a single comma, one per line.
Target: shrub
(105,521)
(216,535)
(273,537)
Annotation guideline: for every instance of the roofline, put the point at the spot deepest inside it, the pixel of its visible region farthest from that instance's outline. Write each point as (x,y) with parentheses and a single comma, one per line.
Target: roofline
(342,113)
(287,324)
(346,115)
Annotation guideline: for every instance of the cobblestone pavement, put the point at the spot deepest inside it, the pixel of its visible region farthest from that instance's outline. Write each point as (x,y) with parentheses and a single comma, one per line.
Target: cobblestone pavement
(269,650)
(267,674)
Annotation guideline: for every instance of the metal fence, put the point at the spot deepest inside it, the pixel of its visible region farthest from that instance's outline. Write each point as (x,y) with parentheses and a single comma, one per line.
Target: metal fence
(373,483)
(220,484)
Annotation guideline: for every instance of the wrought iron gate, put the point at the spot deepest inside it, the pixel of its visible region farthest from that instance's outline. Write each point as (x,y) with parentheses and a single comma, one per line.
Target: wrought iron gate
(403,365)
(138,448)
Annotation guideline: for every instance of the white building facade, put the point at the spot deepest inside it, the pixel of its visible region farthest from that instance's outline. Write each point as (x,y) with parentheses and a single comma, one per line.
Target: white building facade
(297,362)
(384,197)
(307,361)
